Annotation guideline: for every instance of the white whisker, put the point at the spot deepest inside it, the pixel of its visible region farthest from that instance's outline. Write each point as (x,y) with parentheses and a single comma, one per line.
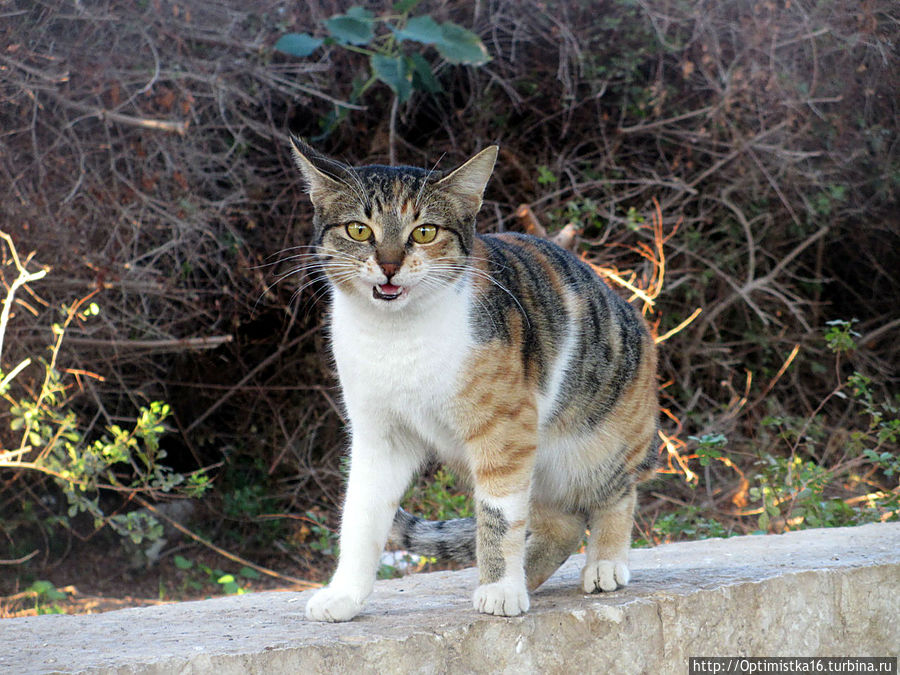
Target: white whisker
(425,180)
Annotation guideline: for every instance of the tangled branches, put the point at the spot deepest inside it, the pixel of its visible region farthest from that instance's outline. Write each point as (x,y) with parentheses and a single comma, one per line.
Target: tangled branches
(143,157)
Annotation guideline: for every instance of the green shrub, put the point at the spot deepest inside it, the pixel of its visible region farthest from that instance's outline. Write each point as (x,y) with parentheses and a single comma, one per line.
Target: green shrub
(45,438)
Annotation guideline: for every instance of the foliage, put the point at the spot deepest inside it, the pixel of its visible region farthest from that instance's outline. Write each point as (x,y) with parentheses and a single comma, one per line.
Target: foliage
(47,438)
(686,522)
(809,485)
(709,447)
(840,335)
(45,595)
(438,497)
(393,44)
(200,577)
(324,539)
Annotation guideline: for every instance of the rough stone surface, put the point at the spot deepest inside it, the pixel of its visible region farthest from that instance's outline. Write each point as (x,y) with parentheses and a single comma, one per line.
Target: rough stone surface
(813,593)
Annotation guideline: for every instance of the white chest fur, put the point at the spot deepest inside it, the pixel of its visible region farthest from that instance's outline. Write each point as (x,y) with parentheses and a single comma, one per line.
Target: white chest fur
(399,371)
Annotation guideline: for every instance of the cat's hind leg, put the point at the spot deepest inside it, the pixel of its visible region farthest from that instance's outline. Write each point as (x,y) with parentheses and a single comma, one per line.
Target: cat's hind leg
(607,547)
(553,535)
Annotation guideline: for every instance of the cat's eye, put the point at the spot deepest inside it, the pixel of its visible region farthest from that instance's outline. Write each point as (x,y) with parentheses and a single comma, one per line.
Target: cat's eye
(424,234)
(358,231)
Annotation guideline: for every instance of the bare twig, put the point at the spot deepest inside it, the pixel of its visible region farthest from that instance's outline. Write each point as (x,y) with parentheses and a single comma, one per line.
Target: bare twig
(302,583)
(179,128)
(249,376)
(529,222)
(640,128)
(873,335)
(746,289)
(56,78)
(19,561)
(173,345)
(23,277)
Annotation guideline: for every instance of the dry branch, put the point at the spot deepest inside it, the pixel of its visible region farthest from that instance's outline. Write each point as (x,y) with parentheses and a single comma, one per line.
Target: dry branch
(173,345)
(23,276)
(723,116)
(301,584)
(179,128)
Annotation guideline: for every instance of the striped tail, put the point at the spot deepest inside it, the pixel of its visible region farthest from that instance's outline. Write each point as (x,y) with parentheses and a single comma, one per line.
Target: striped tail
(442,539)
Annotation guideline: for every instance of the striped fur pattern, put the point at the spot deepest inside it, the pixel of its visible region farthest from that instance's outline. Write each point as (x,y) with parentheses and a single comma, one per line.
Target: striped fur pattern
(504,357)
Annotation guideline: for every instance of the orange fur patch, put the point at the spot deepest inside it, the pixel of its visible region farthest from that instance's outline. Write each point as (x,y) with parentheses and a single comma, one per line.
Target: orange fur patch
(497,414)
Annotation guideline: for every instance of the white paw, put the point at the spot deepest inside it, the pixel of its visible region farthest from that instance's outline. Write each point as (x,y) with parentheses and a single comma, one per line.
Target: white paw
(503,598)
(604,575)
(332,604)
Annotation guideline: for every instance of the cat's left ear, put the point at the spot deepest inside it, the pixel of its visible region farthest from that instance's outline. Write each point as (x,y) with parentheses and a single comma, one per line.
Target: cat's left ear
(316,168)
(468,181)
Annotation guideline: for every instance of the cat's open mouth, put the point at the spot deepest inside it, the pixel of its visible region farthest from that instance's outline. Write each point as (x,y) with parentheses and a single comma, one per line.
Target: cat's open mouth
(386,292)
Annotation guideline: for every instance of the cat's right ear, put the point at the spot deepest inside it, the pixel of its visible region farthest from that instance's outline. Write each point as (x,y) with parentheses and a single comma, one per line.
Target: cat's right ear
(315,169)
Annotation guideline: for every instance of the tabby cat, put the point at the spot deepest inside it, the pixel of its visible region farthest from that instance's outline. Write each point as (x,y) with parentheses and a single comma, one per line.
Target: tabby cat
(503,356)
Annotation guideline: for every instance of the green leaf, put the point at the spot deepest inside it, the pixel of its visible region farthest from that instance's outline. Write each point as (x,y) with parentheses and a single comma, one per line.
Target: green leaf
(40,587)
(545,175)
(422,29)
(423,78)
(353,28)
(458,45)
(360,13)
(46,590)
(404,6)
(393,72)
(249,573)
(298,44)
(183,563)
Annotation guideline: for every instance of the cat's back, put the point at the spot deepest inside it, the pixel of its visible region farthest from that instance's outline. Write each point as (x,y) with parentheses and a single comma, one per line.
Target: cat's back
(581,343)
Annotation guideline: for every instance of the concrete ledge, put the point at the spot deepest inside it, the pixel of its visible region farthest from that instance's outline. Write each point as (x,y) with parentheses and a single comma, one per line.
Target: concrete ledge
(813,593)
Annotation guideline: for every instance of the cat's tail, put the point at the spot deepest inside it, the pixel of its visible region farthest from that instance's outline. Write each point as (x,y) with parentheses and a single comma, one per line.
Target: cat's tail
(442,539)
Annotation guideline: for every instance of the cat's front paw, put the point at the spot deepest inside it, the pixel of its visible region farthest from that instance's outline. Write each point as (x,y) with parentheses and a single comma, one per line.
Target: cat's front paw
(604,575)
(332,604)
(503,598)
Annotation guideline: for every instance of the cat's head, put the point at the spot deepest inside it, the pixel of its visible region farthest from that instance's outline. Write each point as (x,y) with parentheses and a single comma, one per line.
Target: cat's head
(393,236)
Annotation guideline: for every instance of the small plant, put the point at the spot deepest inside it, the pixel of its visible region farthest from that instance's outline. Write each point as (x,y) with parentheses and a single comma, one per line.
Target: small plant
(800,490)
(633,220)
(840,335)
(584,212)
(386,571)
(52,440)
(393,43)
(201,576)
(545,175)
(439,498)
(324,539)
(709,447)
(46,595)
(686,522)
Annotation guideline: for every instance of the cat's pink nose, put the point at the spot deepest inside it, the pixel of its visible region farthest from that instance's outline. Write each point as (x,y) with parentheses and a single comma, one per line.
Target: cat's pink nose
(390,269)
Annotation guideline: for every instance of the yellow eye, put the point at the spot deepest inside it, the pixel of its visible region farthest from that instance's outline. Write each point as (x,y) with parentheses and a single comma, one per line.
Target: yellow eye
(358,231)
(424,234)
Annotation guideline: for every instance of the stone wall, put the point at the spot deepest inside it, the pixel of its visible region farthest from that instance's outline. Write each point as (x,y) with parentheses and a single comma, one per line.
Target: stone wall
(829,592)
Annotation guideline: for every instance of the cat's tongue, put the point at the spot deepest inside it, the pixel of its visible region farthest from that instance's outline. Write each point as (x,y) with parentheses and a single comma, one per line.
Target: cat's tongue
(387,292)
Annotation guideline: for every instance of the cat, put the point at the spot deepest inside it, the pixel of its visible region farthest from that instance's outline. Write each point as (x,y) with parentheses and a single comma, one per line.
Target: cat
(503,356)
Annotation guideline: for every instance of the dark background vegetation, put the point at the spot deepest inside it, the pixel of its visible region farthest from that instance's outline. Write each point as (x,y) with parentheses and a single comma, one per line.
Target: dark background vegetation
(766,131)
